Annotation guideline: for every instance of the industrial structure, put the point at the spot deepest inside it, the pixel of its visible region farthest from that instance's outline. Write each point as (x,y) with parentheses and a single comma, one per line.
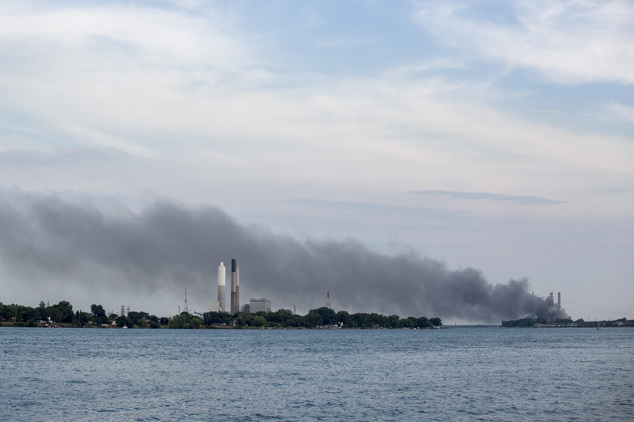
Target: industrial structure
(222,272)
(235,286)
(254,305)
(259,305)
(553,310)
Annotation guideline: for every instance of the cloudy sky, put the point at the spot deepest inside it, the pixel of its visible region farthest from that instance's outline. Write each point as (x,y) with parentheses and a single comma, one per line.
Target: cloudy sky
(488,135)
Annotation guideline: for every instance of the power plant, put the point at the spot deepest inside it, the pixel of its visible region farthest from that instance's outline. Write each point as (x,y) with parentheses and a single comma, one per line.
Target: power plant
(256,305)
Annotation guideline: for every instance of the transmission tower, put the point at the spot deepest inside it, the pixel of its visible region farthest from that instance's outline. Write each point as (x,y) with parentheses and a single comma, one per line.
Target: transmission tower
(328,300)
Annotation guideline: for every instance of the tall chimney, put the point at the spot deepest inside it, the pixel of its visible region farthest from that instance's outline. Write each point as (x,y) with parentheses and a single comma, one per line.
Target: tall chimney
(234,287)
(222,273)
(237,287)
(559,299)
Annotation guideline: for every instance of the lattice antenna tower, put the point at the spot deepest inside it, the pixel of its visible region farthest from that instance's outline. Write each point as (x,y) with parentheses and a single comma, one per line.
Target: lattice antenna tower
(328,300)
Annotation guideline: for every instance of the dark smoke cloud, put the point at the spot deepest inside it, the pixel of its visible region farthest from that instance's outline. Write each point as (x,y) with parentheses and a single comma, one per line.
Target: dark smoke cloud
(165,246)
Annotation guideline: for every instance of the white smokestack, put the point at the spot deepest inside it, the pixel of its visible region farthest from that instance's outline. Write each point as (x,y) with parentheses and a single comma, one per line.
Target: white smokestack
(222,272)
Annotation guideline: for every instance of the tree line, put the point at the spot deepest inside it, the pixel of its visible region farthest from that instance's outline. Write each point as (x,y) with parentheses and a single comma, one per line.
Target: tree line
(62,314)
(533,322)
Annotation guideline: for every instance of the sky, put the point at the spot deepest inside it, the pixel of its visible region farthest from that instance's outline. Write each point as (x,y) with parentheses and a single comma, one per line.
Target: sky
(414,143)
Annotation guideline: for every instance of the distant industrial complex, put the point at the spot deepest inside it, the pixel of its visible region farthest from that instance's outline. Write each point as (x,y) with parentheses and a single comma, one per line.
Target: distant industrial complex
(254,305)
(555,311)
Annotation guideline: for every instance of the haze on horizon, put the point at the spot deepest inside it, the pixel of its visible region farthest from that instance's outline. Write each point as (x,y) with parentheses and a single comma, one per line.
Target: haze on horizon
(488,140)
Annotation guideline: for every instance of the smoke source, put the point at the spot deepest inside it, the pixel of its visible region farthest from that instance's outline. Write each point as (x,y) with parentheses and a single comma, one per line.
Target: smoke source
(78,244)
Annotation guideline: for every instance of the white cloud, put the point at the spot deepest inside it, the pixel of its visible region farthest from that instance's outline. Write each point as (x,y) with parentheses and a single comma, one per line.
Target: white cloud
(565,41)
(616,111)
(157,84)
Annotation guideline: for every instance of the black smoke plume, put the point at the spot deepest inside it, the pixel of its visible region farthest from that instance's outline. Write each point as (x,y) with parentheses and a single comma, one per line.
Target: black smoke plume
(81,244)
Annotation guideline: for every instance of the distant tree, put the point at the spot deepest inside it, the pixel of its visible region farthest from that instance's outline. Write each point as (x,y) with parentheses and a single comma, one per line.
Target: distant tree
(405,323)
(121,321)
(245,320)
(185,320)
(65,312)
(195,322)
(24,314)
(327,315)
(98,314)
(259,321)
(313,320)
(55,314)
(82,318)
(281,318)
(343,317)
(423,322)
(361,320)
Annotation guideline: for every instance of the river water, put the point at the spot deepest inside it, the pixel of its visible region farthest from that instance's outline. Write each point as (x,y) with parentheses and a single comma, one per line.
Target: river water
(492,374)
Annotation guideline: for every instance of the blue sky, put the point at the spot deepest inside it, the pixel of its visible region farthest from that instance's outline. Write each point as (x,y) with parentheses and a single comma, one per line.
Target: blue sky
(316,117)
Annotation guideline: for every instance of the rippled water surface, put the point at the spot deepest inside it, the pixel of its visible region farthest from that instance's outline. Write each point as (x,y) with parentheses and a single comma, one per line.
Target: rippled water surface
(573,374)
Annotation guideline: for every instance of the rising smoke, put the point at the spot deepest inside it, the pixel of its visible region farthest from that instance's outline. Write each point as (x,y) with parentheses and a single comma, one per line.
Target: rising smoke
(78,244)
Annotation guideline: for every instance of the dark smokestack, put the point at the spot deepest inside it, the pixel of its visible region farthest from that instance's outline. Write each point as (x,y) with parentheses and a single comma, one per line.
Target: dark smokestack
(235,302)
(238,286)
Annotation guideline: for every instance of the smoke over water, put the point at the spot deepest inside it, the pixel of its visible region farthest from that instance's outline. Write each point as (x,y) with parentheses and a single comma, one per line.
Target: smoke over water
(79,245)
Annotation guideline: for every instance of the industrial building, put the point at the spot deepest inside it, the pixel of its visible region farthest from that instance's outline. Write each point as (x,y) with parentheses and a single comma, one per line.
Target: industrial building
(213,306)
(259,305)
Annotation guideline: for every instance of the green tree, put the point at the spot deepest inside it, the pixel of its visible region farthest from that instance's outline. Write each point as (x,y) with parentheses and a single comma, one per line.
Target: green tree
(405,323)
(259,321)
(313,320)
(82,318)
(65,312)
(121,321)
(344,317)
(98,314)
(392,321)
(327,315)
(423,322)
